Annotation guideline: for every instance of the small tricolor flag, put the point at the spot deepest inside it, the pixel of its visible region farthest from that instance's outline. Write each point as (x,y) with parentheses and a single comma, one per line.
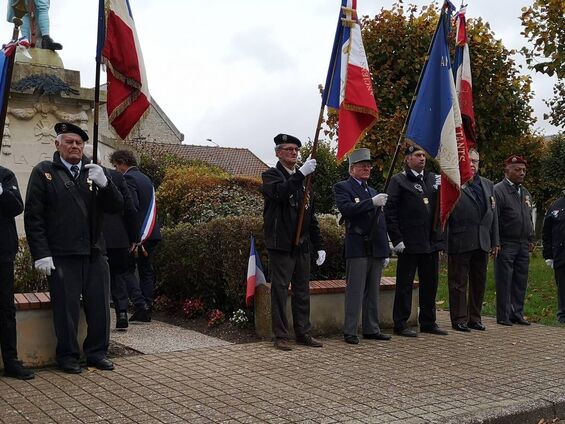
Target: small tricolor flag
(255,275)
(127,99)
(349,88)
(435,122)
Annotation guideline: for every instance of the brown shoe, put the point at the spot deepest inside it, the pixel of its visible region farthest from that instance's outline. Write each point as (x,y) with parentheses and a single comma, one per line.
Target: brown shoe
(283,344)
(308,340)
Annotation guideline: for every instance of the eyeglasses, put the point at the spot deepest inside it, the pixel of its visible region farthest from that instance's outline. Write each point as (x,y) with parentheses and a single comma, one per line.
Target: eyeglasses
(289,149)
(475,161)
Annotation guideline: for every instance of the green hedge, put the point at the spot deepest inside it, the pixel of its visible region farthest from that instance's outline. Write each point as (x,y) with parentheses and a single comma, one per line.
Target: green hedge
(209,260)
(27,279)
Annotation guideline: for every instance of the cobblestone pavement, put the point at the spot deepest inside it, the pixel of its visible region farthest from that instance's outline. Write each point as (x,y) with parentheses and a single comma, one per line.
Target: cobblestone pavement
(503,375)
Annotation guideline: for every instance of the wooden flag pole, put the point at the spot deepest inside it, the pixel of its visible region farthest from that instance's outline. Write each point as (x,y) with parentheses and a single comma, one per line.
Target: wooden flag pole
(19,12)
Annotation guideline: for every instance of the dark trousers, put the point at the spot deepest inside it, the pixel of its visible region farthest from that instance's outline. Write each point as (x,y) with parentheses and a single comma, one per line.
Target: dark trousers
(288,268)
(511,276)
(146,271)
(362,295)
(466,269)
(560,281)
(124,284)
(72,277)
(427,265)
(8,341)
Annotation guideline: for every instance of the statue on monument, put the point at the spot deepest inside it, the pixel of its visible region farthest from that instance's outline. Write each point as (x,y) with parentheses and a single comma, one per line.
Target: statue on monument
(36,19)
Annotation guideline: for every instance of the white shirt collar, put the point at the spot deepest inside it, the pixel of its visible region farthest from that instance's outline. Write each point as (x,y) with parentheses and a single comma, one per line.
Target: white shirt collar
(416,173)
(68,165)
(290,171)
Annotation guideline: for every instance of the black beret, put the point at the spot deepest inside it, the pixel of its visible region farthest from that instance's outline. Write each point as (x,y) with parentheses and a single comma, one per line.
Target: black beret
(411,149)
(65,128)
(287,139)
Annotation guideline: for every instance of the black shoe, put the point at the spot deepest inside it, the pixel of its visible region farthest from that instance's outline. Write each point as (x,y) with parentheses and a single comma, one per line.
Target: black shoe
(459,326)
(16,369)
(142,315)
(351,339)
(308,340)
(70,367)
(434,330)
(376,336)
(121,320)
(48,43)
(477,326)
(520,321)
(405,332)
(282,344)
(504,322)
(103,364)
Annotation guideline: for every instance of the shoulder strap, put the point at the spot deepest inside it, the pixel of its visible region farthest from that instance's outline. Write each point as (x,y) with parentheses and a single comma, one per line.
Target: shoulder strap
(71,186)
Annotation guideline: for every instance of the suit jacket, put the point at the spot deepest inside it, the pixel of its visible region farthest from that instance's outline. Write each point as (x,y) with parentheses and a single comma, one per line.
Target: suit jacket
(467,230)
(365,225)
(554,233)
(11,205)
(410,212)
(283,194)
(121,229)
(514,213)
(141,189)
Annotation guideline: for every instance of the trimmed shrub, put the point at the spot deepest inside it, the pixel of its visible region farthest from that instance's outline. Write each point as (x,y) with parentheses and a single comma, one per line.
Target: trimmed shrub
(27,279)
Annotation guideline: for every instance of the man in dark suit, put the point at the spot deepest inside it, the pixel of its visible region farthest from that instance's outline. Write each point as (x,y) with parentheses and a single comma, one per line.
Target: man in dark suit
(472,233)
(366,247)
(414,231)
(68,249)
(11,205)
(517,239)
(143,195)
(283,191)
(554,249)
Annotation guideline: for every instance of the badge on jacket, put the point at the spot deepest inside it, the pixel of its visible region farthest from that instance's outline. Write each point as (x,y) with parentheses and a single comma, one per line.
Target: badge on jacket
(419,188)
(555,213)
(48,176)
(357,200)
(426,201)
(527,201)
(492,202)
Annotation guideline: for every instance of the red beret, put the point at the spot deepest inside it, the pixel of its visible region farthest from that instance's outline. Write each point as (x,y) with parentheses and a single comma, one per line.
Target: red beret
(514,160)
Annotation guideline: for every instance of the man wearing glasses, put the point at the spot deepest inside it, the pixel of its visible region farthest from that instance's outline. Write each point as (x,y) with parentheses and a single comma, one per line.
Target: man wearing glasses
(283,191)
(472,233)
(366,247)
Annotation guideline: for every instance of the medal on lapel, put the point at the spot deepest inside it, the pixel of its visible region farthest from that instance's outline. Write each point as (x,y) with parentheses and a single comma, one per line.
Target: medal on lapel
(426,201)
(492,202)
(48,176)
(527,201)
(357,200)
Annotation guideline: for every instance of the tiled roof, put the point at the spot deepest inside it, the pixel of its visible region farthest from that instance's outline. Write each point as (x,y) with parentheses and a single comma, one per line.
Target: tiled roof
(233,160)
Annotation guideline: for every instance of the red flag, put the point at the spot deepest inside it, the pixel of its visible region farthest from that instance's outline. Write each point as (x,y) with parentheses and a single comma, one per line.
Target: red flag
(128,95)
(349,88)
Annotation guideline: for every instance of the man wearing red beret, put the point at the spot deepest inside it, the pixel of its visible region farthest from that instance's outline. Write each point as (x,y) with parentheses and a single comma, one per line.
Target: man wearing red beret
(514,206)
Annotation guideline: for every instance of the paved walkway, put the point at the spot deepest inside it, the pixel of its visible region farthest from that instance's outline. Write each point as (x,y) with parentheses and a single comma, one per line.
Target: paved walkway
(461,378)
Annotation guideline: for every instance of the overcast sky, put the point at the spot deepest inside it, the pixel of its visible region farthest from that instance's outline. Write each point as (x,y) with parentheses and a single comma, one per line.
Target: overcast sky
(240,72)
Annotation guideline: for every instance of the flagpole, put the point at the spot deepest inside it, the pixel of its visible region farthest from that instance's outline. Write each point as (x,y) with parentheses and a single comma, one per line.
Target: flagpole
(19,11)
(402,132)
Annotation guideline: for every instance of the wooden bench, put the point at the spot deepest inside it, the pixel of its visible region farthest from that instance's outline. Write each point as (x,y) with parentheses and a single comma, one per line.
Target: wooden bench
(36,334)
(327,299)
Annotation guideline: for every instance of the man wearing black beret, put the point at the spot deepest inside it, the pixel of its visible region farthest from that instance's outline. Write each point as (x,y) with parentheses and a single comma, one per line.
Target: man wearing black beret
(66,247)
(283,191)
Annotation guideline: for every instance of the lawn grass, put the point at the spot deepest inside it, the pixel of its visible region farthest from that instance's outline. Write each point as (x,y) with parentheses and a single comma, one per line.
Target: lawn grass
(541,296)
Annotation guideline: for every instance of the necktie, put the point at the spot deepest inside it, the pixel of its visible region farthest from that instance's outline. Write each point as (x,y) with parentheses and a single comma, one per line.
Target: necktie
(74,171)
(365,187)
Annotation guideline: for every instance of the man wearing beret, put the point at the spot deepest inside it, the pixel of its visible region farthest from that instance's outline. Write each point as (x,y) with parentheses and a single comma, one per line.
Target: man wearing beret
(517,238)
(554,249)
(63,223)
(366,247)
(11,205)
(472,233)
(415,235)
(283,191)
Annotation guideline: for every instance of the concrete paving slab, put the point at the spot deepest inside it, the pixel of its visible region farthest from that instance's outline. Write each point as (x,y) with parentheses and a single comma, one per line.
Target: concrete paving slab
(504,375)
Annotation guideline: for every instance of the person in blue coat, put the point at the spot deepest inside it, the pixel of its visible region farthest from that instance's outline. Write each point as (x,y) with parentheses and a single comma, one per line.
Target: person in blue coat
(366,247)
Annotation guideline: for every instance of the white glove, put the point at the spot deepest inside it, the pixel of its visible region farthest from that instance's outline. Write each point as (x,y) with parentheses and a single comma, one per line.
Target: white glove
(308,167)
(96,174)
(44,265)
(380,199)
(1,189)
(399,248)
(321,257)
(386,261)
(549,262)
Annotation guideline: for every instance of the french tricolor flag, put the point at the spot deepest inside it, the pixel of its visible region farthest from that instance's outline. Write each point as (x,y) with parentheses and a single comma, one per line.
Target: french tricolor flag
(435,122)
(128,94)
(349,88)
(255,275)
(150,217)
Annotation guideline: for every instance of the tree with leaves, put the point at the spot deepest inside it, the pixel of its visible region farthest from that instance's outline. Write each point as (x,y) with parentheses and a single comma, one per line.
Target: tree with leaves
(544,27)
